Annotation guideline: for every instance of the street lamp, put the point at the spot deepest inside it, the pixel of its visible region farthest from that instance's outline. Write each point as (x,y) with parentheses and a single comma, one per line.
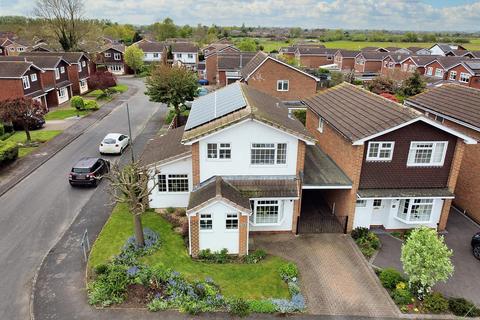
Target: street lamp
(130,134)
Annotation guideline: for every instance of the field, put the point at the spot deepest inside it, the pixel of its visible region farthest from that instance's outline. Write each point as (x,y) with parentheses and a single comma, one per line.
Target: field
(270,45)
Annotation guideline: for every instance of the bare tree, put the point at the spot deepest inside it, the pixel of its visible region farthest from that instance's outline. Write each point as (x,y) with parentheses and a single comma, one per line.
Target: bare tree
(131,185)
(65,18)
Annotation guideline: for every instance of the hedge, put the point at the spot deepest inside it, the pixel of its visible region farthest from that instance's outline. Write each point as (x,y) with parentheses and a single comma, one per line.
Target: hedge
(8,151)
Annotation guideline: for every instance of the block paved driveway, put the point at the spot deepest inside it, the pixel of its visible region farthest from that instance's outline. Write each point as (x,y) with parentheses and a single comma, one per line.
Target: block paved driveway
(335,278)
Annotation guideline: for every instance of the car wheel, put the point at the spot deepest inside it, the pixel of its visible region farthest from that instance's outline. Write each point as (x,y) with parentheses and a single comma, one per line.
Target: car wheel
(476,251)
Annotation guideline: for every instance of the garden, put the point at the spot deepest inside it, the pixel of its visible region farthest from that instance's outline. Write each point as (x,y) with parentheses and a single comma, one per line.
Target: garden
(162,275)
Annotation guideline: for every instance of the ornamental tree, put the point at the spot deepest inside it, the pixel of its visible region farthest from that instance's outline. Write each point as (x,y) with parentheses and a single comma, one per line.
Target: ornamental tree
(172,85)
(24,111)
(413,85)
(134,57)
(426,260)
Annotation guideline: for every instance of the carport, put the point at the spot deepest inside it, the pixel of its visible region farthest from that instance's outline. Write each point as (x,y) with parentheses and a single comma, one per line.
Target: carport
(325,187)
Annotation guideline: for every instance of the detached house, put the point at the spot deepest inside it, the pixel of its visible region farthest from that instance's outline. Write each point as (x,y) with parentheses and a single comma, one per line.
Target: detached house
(152,50)
(21,79)
(112,59)
(314,57)
(278,79)
(211,59)
(186,53)
(441,49)
(229,66)
(236,166)
(9,47)
(369,63)
(345,59)
(458,107)
(403,166)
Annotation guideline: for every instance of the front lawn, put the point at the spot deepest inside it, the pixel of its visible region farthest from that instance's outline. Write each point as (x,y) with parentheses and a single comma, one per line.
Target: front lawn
(39,136)
(60,114)
(249,281)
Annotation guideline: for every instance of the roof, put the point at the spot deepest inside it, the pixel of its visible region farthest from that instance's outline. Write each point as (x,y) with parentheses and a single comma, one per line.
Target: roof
(164,148)
(216,188)
(233,60)
(265,186)
(70,57)
(44,61)
(457,101)
(474,66)
(184,47)
(448,62)
(357,113)
(476,53)
(459,52)
(13,69)
(348,53)
(416,49)
(422,60)
(322,171)
(318,51)
(151,46)
(237,102)
(392,49)
(218,47)
(398,57)
(370,49)
(374,55)
(404,193)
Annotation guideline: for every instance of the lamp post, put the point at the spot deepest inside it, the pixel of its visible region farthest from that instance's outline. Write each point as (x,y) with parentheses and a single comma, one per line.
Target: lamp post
(130,134)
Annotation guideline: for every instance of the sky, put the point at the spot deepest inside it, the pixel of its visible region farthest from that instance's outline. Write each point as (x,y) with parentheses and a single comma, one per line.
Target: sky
(415,15)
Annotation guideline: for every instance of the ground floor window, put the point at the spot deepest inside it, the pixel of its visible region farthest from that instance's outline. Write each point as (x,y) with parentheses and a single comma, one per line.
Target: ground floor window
(231,223)
(415,210)
(266,212)
(116,68)
(62,93)
(173,183)
(206,221)
(83,83)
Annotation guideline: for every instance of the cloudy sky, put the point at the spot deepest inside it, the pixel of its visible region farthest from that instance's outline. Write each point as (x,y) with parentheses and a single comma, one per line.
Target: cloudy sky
(435,15)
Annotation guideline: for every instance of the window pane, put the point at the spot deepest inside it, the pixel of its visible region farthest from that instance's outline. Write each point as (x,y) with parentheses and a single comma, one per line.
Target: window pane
(231,222)
(267,211)
(373,152)
(281,153)
(206,222)
(162,183)
(177,183)
(263,153)
(225,151)
(212,151)
(438,155)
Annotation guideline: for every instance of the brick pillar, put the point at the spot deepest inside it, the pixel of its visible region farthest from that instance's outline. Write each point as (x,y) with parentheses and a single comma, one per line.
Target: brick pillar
(357,169)
(297,206)
(194,236)
(243,235)
(300,156)
(452,182)
(196,163)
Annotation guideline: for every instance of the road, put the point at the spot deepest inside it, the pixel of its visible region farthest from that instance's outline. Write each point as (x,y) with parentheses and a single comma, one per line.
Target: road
(37,211)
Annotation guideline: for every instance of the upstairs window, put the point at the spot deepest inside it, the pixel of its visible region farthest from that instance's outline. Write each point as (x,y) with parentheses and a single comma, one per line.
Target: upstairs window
(155,54)
(219,151)
(84,64)
(361,203)
(57,74)
(453,75)
(282,85)
(268,153)
(117,56)
(33,77)
(377,203)
(464,77)
(79,67)
(380,151)
(439,73)
(179,55)
(320,125)
(20,49)
(429,71)
(206,221)
(173,183)
(427,153)
(190,56)
(415,210)
(231,222)
(107,55)
(26,82)
(62,69)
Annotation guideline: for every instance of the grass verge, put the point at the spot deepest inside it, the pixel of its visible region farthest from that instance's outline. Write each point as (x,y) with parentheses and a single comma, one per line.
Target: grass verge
(40,136)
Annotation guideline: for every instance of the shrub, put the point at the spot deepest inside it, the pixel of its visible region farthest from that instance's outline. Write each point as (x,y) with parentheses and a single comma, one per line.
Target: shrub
(109,287)
(297,303)
(288,271)
(91,105)
(359,232)
(157,305)
(301,115)
(255,257)
(77,103)
(435,303)
(262,306)
(390,277)
(101,269)
(170,210)
(460,307)
(101,80)
(239,307)
(402,296)
(214,257)
(2,130)
(8,151)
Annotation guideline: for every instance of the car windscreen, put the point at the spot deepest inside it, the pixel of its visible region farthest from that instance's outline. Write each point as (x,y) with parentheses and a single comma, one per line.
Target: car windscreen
(109,141)
(81,170)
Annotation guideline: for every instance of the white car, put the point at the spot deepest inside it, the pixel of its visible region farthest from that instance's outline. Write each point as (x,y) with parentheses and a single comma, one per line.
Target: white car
(114,143)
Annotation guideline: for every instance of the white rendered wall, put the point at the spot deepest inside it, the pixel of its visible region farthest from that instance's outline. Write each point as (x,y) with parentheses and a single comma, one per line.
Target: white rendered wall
(286,222)
(185,58)
(435,50)
(173,199)
(148,56)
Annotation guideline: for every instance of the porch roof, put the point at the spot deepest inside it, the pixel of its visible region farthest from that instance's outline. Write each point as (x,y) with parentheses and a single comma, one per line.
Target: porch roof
(265,186)
(405,193)
(321,172)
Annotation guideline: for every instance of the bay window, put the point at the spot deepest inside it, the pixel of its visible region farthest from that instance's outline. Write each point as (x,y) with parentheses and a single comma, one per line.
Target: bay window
(380,151)
(266,212)
(415,210)
(428,153)
(268,153)
(173,183)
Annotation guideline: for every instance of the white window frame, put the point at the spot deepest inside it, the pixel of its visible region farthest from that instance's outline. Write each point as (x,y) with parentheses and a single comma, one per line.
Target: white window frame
(83,83)
(79,67)
(11,48)
(1,50)
(377,206)
(452,75)
(20,49)
(62,69)
(219,147)
(178,56)
(380,149)
(208,218)
(412,68)
(108,54)
(281,85)
(168,178)
(360,203)
(360,61)
(413,149)
(57,74)
(320,125)
(26,82)
(429,71)
(117,56)
(464,77)
(275,154)
(232,217)
(62,92)
(116,67)
(33,77)
(411,203)
(155,55)
(439,73)
(190,55)
(258,203)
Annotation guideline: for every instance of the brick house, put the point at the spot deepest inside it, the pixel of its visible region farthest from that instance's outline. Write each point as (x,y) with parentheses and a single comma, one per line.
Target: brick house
(21,79)
(211,59)
(392,64)
(9,47)
(112,58)
(369,63)
(412,63)
(458,107)
(235,166)
(441,49)
(403,166)
(314,57)
(278,79)
(454,69)
(230,65)
(345,59)
(290,50)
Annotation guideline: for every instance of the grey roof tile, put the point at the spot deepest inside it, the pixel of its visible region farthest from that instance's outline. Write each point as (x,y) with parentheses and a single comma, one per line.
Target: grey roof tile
(321,170)
(165,147)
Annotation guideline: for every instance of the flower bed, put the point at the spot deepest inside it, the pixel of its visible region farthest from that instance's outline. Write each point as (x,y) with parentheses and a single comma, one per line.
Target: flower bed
(367,241)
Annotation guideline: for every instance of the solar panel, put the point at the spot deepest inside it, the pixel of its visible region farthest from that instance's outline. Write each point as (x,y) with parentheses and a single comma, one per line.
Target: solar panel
(215,105)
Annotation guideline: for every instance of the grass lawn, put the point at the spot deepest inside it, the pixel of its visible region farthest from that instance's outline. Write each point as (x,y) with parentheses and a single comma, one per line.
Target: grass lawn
(249,281)
(60,114)
(37,135)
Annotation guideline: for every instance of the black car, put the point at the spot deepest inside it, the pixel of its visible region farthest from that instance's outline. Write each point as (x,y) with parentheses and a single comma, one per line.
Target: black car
(37,123)
(476,245)
(88,171)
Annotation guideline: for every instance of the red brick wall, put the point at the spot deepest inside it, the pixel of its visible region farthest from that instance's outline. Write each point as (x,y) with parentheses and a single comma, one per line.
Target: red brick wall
(475,82)
(359,67)
(435,65)
(395,173)
(222,78)
(315,61)
(10,88)
(48,78)
(195,164)
(194,236)
(73,76)
(243,235)
(211,69)
(373,66)
(265,79)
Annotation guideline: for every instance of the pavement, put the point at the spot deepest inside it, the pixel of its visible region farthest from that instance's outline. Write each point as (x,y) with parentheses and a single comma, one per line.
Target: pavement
(335,277)
(36,212)
(465,282)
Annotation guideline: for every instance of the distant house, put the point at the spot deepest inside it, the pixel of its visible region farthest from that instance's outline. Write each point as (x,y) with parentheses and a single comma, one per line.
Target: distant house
(412,63)
(9,47)
(229,66)
(376,49)
(112,58)
(345,59)
(186,53)
(152,50)
(441,49)
(454,69)
(314,57)
(278,79)
(460,53)
(218,47)
(369,63)
(211,53)
(418,51)
(392,63)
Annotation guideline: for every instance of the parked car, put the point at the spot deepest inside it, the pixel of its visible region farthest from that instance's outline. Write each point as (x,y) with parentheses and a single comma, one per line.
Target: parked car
(202,92)
(88,171)
(203,82)
(114,143)
(476,245)
(37,123)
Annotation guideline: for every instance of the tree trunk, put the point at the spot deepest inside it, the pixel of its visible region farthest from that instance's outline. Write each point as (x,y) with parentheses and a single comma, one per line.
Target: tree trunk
(177,116)
(139,238)
(27,133)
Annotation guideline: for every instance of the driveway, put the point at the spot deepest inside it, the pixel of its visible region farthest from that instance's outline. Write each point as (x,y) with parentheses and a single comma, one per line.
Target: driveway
(335,277)
(465,281)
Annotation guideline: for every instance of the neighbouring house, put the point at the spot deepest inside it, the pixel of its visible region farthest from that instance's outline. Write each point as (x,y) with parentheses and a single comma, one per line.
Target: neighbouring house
(458,107)
(78,70)
(459,53)
(186,53)
(21,79)
(290,50)
(461,70)
(441,49)
(376,49)
(403,165)
(9,47)
(219,47)
(278,79)
(201,70)
(466,72)
(392,63)
(230,65)
(418,63)
(211,59)
(236,166)
(418,51)
(345,59)
(112,59)
(152,50)
(314,57)
(368,64)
